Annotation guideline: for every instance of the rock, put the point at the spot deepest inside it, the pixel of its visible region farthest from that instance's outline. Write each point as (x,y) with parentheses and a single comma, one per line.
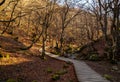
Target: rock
(67,55)
(115,68)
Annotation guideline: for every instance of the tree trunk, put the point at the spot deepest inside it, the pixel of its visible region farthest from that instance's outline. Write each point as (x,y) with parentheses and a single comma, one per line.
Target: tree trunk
(44,37)
(26,48)
(43,47)
(61,42)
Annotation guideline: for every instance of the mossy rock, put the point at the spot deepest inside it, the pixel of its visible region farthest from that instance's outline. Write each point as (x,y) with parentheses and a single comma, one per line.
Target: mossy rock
(10,80)
(108,77)
(69,62)
(34,81)
(62,72)
(94,57)
(49,70)
(65,66)
(55,77)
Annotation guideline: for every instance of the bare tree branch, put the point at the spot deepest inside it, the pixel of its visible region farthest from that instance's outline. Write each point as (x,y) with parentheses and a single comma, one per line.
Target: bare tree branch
(2,2)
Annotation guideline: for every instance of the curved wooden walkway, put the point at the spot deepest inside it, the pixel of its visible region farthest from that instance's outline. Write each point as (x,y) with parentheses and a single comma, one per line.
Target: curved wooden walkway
(83,71)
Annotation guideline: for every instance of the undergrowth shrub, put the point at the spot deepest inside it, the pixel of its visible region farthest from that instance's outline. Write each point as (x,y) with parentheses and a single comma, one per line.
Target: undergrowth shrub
(94,57)
(49,70)
(10,80)
(7,56)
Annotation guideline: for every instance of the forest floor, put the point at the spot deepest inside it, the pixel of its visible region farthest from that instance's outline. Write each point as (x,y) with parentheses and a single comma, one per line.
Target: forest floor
(27,66)
(106,69)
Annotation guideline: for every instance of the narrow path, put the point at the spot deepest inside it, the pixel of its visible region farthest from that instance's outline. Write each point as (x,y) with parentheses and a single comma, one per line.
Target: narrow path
(83,71)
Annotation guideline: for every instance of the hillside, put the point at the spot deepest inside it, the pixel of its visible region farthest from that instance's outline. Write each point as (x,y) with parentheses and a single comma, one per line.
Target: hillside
(26,66)
(97,47)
